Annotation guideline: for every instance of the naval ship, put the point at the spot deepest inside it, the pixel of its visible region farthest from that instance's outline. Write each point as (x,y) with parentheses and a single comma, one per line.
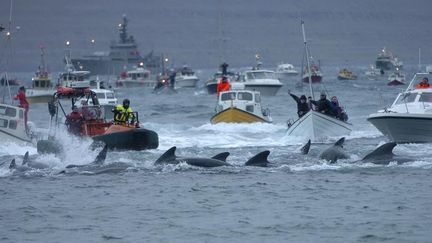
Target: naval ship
(123,55)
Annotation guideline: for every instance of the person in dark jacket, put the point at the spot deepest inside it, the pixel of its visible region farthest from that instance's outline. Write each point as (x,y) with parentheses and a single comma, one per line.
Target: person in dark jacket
(324,105)
(302,105)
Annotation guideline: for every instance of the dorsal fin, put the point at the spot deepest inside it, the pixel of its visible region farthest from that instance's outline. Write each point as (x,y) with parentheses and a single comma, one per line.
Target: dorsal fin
(259,159)
(100,158)
(169,154)
(12,164)
(222,156)
(383,150)
(340,142)
(26,158)
(306,147)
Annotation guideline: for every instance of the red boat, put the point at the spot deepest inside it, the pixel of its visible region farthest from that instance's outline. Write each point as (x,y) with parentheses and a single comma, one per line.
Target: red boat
(89,121)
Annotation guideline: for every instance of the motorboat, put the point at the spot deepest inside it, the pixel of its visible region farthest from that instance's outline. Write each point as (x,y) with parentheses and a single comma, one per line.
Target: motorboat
(92,123)
(345,74)
(314,74)
(186,78)
(409,118)
(285,70)
(396,78)
(164,86)
(42,89)
(374,73)
(212,83)
(264,81)
(240,106)
(137,77)
(12,126)
(387,61)
(316,126)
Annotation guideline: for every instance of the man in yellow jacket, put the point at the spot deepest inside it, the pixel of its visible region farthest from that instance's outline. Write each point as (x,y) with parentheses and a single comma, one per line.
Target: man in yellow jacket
(122,113)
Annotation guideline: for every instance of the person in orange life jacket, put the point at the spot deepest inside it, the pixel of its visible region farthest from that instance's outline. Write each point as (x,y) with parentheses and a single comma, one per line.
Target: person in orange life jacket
(21,96)
(223,85)
(424,84)
(74,121)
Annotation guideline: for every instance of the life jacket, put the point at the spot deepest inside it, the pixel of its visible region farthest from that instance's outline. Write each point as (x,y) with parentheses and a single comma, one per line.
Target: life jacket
(222,86)
(422,86)
(121,115)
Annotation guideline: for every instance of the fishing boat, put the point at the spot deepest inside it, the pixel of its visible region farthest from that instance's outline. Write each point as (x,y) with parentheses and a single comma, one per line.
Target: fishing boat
(374,73)
(396,78)
(186,78)
(285,70)
(312,73)
(42,88)
(137,77)
(316,126)
(212,83)
(92,123)
(409,118)
(346,74)
(12,124)
(387,61)
(240,106)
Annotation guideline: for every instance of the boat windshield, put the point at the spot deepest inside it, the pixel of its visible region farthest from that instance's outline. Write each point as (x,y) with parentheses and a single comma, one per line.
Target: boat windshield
(228,96)
(110,95)
(406,98)
(245,96)
(8,111)
(260,75)
(101,96)
(426,97)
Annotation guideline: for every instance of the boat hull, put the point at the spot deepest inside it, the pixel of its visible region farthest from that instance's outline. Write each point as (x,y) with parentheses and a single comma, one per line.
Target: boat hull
(315,79)
(133,139)
(186,83)
(265,90)
(234,115)
(319,127)
(395,83)
(404,127)
(9,136)
(211,87)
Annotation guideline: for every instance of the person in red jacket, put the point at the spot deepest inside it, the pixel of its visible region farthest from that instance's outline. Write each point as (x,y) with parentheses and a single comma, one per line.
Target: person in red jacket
(21,96)
(223,85)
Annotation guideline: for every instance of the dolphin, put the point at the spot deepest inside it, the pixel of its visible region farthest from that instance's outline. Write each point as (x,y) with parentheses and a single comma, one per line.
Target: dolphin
(169,157)
(305,149)
(335,152)
(260,159)
(27,164)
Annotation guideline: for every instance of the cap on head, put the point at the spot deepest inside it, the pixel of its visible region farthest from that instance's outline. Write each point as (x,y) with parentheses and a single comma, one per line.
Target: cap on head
(126,102)
(303,97)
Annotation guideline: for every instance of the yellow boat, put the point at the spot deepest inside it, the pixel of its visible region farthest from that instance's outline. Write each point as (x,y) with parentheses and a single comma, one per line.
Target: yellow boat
(240,106)
(345,74)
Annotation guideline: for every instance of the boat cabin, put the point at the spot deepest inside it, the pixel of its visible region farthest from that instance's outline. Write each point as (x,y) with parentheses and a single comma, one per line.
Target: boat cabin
(253,75)
(414,100)
(12,123)
(246,100)
(75,79)
(137,74)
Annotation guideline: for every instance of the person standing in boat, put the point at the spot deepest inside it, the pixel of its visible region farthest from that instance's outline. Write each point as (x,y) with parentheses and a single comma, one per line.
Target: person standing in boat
(324,105)
(172,77)
(123,113)
(224,85)
(21,97)
(74,121)
(302,104)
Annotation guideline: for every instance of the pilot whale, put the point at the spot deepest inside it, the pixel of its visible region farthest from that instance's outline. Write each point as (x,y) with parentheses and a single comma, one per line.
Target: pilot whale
(169,157)
(335,152)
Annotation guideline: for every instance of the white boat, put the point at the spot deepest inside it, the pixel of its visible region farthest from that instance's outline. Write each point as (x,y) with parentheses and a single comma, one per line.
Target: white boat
(396,78)
(240,106)
(73,78)
(264,81)
(285,70)
(373,73)
(42,89)
(12,127)
(186,78)
(409,118)
(314,125)
(137,77)
(106,99)
(387,61)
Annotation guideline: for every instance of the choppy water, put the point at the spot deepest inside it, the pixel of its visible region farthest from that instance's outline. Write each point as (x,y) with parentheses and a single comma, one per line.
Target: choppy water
(299,199)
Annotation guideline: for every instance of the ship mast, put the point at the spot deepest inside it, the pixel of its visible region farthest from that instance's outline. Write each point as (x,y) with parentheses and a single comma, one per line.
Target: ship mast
(307,60)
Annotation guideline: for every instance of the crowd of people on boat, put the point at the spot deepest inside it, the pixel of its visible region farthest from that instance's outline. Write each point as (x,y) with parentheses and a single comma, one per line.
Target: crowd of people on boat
(331,108)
